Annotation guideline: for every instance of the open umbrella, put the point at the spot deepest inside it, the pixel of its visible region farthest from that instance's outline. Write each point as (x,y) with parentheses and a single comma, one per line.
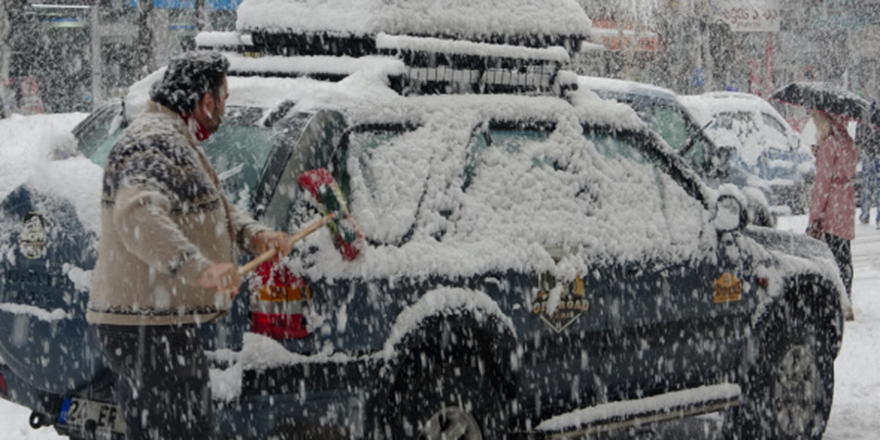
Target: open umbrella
(827,98)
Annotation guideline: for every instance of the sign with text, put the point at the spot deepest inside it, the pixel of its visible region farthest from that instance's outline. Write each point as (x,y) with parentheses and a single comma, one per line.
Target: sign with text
(748,15)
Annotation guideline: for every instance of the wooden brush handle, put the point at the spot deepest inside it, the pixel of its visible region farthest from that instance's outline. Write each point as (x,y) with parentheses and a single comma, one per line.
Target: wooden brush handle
(268,255)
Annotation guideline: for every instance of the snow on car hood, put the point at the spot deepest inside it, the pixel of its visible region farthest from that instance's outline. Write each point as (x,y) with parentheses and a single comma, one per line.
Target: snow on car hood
(459,18)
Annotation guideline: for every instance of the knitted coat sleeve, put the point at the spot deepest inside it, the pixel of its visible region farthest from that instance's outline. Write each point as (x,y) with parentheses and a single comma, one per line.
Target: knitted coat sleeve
(245,230)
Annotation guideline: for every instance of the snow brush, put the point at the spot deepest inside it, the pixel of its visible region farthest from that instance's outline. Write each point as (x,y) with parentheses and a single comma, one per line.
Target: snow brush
(346,236)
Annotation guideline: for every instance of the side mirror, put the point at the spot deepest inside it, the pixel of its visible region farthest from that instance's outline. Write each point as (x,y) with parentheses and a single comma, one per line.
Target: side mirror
(730,214)
(720,161)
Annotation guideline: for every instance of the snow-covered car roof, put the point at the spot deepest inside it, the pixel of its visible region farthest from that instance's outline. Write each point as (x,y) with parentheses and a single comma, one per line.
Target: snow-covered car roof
(452,18)
(366,86)
(704,107)
(767,129)
(365,97)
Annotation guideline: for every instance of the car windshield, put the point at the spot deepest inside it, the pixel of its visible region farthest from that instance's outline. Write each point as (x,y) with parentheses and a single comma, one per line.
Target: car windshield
(238,150)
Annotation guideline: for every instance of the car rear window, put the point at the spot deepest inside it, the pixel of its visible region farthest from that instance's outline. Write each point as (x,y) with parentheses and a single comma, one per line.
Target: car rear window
(238,150)
(239,153)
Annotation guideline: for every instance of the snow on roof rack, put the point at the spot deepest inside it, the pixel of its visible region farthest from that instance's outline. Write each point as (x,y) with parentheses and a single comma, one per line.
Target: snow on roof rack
(534,23)
(327,68)
(410,44)
(443,66)
(412,65)
(223,41)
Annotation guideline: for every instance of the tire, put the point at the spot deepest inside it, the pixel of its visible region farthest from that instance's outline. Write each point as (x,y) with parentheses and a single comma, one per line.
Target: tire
(789,393)
(448,396)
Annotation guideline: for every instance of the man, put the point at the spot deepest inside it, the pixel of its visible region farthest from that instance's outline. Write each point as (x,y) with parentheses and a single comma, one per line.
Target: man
(868,143)
(167,251)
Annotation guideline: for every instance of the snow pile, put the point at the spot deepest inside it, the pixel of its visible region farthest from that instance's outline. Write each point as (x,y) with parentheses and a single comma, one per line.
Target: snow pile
(456,18)
(29,156)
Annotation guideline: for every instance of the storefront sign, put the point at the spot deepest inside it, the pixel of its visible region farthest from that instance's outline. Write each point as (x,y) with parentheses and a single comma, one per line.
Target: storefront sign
(748,15)
(190,4)
(617,36)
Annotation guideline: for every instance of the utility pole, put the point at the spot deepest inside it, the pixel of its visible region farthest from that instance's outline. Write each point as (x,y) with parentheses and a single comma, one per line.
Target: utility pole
(5,55)
(5,48)
(96,55)
(203,20)
(708,62)
(145,51)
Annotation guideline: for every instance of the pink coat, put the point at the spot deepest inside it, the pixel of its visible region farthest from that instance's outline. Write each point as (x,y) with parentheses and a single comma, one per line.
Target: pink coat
(833,201)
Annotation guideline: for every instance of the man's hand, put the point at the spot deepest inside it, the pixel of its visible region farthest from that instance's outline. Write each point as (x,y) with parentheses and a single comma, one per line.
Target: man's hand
(223,277)
(268,240)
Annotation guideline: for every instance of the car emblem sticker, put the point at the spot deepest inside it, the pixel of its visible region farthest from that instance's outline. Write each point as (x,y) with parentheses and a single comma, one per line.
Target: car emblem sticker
(572,302)
(32,237)
(728,288)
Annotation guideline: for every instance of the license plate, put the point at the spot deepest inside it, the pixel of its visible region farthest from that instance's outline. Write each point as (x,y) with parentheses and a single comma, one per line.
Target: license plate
(90,415)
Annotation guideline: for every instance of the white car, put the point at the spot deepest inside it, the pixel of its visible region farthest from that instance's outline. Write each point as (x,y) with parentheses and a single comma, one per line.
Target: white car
(764,144)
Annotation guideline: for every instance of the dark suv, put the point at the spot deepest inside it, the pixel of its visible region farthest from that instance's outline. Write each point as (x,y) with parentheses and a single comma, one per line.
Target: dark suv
(535,265)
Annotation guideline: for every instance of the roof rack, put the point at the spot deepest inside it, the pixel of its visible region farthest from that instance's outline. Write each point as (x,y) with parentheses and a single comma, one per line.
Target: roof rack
(413,65)
(442,66)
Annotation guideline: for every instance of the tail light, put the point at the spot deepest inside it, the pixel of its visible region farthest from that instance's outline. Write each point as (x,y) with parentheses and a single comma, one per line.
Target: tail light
(279,303)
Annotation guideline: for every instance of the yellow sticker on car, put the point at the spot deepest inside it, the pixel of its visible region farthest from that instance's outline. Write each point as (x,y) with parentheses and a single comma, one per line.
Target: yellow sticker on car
(572,302)
(728,288)
(33,236)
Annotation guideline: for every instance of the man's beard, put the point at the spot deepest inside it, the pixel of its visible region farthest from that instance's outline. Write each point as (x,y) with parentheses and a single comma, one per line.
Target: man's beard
(215,122)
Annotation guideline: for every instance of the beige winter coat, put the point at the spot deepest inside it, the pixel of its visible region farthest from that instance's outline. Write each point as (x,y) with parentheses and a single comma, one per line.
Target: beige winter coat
(164,220)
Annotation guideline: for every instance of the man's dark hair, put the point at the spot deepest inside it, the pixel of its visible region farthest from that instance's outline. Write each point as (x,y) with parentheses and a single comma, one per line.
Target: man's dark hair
(189,76)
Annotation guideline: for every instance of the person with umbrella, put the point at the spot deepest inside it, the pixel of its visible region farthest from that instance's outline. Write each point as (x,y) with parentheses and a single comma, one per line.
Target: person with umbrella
(832,205)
